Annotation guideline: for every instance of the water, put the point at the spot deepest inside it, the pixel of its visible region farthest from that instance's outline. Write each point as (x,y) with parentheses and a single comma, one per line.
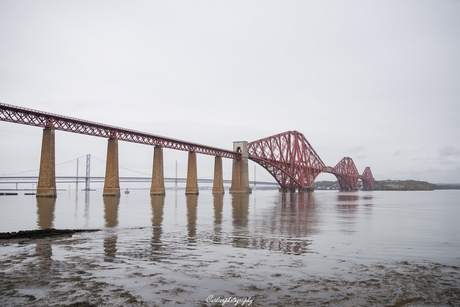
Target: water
(270,249)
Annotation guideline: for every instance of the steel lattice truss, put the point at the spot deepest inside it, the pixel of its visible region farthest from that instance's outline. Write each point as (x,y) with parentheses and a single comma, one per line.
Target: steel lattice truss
(346,173)
(368,179)
(30,117)
(289,157)
(293,162)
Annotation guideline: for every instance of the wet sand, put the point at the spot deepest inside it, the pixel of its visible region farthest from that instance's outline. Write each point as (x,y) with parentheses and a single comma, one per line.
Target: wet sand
(129,267)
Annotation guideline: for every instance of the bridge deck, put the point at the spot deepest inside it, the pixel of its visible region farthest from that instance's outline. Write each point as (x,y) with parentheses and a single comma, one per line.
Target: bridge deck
(37,118)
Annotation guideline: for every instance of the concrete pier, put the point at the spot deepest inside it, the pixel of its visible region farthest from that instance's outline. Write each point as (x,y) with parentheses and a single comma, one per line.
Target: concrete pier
(158,179)
(218,185)
(47,176)
(112,179)
(240,171)
(192,176)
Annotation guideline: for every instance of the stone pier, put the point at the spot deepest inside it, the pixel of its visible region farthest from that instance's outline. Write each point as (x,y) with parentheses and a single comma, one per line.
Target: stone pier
(47,176)
(240,171)
(192,176)
(112,180)
(218,186)
(158,180)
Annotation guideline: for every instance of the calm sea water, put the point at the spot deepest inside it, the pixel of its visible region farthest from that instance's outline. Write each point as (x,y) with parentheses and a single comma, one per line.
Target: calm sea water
(360,225)
(368,225)
(265,234)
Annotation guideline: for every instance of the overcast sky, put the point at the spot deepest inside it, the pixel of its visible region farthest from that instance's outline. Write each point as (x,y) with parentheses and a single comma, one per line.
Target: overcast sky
(378,81)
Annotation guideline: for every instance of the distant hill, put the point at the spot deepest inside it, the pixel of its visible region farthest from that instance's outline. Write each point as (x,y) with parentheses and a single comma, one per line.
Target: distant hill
(326,185)
(403,185)
(390,185)
(447,186)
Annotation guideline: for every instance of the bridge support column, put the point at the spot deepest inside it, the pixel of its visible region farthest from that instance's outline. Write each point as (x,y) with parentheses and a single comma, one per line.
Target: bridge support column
(192,177)
(240,171)
(218,185)
(47,177)
(158,179)
(112,179)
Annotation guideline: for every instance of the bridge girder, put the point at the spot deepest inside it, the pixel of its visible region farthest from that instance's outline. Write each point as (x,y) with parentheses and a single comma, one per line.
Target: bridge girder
(15,114)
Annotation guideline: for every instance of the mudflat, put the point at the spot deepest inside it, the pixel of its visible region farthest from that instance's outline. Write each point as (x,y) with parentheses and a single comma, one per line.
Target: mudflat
(123,269)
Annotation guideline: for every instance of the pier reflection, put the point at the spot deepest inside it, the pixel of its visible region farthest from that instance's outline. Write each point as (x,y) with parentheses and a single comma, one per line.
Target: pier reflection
(111,204)
(293,223)
(347,197)
(297,215)
(218,206)
(157,202)
(347,207)
(192,203)
(284,228)
(45,212)
(240,212)
(368,202)
(45,219)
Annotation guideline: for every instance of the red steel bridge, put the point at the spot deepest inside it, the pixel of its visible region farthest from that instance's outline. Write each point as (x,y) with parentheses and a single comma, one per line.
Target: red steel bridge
(293,162)
(287,156)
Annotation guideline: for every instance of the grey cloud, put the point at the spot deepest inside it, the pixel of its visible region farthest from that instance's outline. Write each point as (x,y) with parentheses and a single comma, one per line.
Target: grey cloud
(449,151)
(356,149)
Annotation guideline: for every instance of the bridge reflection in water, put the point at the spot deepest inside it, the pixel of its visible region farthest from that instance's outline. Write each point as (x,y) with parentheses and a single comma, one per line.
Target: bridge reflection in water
(157,202)
(282,223)
(111,205)
(45,219)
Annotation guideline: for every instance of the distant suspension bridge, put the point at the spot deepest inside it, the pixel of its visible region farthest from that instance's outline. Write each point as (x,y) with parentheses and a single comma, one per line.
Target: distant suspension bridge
(87,179)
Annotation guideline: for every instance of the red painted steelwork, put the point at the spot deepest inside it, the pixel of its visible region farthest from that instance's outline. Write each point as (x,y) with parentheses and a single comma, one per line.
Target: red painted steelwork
(25,116)
(347,174)
(289,157)
(293,162)
(368,179)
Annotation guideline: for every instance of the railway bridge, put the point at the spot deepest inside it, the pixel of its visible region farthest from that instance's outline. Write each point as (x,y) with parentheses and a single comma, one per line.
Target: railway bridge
(287,156)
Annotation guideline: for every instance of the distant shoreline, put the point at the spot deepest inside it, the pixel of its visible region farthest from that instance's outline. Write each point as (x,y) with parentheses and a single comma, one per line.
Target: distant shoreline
(380,185)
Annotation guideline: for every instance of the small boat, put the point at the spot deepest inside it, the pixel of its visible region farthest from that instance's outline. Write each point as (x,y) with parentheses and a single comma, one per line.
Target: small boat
(126,191)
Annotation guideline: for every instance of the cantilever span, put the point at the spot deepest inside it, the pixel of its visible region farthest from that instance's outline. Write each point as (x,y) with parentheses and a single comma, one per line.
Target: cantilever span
(293,162)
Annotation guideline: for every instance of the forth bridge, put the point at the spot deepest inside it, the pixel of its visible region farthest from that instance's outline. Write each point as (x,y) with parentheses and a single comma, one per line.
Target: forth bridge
(287,156)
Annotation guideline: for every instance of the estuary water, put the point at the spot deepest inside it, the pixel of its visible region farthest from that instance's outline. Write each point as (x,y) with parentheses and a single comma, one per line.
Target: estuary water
(363,248)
